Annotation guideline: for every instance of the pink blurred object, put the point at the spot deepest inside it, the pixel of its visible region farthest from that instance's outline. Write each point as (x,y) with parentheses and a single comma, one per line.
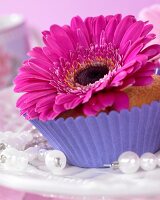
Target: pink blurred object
(152,14)
(10,194)
(5,68)
(14,44)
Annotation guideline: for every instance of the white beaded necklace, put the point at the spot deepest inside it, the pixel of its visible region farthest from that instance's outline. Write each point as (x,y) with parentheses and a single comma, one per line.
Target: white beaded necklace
(22,148)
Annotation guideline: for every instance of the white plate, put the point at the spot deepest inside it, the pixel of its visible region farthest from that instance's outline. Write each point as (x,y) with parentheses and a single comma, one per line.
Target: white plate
(74,181)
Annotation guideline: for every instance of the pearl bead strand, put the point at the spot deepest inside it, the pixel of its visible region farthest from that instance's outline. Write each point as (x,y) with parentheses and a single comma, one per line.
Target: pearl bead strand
(129,162)
(19,150)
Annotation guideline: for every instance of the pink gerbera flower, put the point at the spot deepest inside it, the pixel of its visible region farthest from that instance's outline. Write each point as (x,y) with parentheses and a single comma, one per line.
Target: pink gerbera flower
(88,63)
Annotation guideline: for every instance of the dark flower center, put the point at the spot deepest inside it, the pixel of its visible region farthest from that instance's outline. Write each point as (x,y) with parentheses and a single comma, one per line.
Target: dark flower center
(91,74)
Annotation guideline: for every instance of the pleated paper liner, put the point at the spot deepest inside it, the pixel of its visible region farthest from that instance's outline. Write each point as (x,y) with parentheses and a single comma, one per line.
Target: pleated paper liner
(95,141)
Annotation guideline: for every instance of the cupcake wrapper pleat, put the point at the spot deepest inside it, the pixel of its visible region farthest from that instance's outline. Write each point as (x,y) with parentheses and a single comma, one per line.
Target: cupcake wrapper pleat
(96,141)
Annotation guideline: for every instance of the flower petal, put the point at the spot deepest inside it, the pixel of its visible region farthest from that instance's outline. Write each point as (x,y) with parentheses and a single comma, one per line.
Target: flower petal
(152,51)
(131,55)
(121,101)
(61,38)
(88,111)
(118,78)
(99,26)
(58,108)
(142,81)
(73,104)
(147,29)
(71,35)
(37,52)
(82,39)
(122,27)
(77,23)
(133,32)
(64,98)
(110,29)
(106,99)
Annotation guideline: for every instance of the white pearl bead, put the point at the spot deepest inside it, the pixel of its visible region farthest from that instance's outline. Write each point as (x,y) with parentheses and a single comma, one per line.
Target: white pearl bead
(15,143)
(26,136)
(6,135)
(2,146)
(158,158)
(129,162)
(148,161)
(42,154)
(55,159)
(32,153)
(15,160)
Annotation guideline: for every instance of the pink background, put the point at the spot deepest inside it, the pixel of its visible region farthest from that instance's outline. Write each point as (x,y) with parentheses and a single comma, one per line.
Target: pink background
(43,13)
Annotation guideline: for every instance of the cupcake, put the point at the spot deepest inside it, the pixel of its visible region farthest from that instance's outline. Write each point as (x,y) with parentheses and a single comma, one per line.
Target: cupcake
(82,89)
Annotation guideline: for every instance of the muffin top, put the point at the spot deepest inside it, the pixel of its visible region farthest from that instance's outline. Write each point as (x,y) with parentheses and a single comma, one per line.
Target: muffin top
(86,67)
(144,94)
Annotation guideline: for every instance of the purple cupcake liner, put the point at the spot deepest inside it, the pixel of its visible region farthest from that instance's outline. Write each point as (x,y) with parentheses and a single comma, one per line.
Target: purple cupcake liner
(96,141)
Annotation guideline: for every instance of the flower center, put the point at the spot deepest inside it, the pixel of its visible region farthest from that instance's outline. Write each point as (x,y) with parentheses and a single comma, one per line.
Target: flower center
(91,74)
